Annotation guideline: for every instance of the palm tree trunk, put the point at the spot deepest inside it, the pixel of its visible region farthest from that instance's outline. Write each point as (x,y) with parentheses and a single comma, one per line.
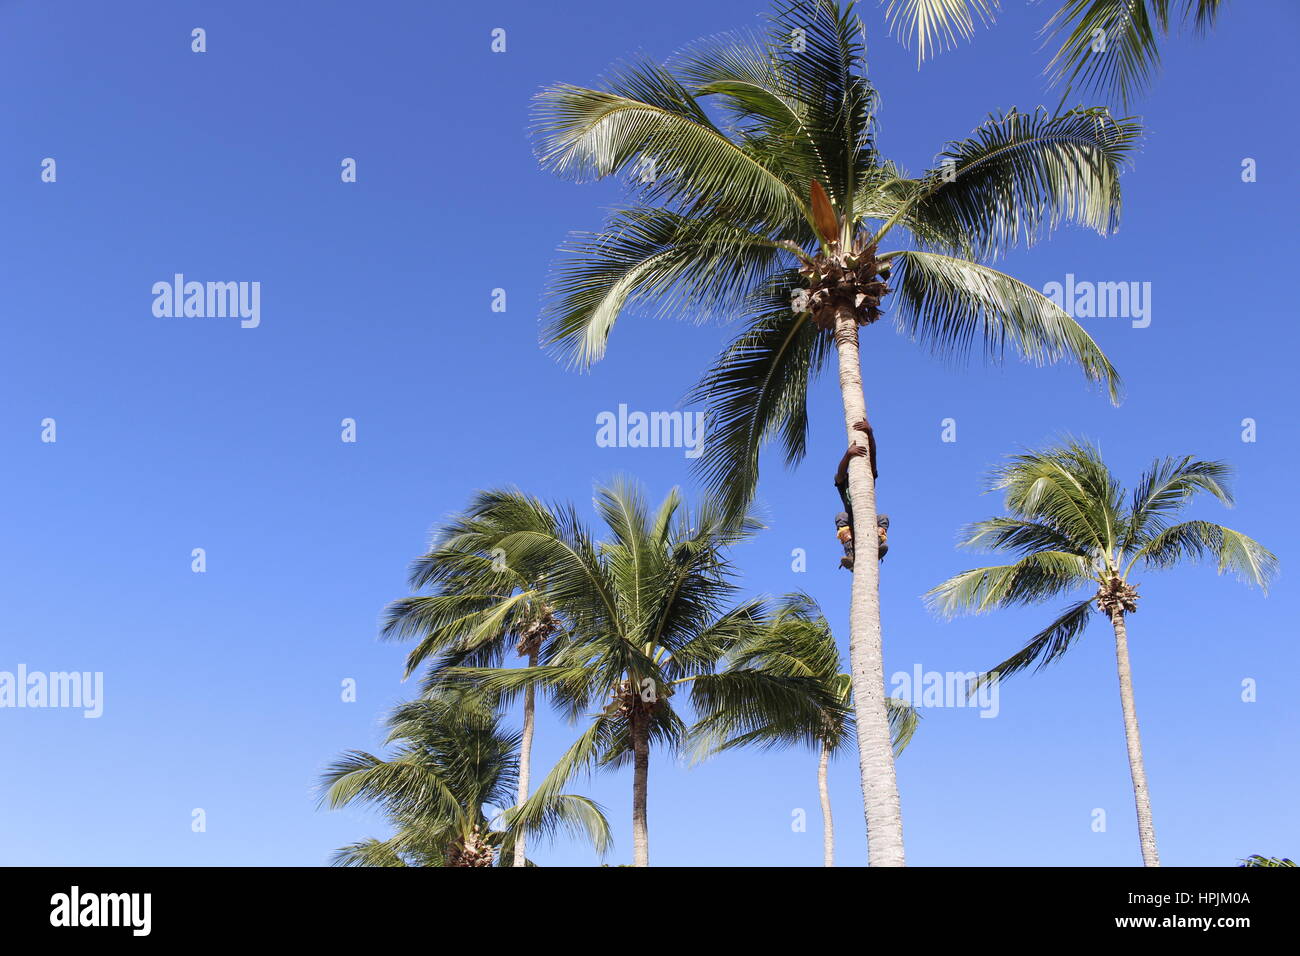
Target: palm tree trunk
(866,657)
(828,825)
(1141,795)
(525,758)
(640,775)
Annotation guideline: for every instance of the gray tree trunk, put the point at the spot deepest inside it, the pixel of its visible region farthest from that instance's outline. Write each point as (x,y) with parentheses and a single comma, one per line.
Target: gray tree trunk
(866,657)
(823,791)
(525,759)
(640,777)
(1141,795)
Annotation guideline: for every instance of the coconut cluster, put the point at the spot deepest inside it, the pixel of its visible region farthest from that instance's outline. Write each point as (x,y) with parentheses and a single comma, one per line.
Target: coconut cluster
(625,699)
(1117,595)
(533,634)
(474,851)
(853,281)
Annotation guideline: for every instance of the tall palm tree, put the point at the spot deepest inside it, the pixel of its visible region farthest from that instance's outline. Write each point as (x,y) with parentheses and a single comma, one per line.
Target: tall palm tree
(478,610)
(453,759)
(650,609)
(1106,45)
(1070,524)
(784,686)
(757,187)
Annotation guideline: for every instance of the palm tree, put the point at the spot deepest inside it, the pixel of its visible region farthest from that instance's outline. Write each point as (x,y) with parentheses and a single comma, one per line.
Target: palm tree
(649,612)
(784,686)
(1256,859)
(1072,528)
(1107,45)
(478,610)
(780,212)
(452,759)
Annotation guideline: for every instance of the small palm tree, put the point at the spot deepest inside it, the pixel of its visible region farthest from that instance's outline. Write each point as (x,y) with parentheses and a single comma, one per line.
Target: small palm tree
(479,609)
(649,609)
(758,189)
(453,760)
(784,686)
(1072,527)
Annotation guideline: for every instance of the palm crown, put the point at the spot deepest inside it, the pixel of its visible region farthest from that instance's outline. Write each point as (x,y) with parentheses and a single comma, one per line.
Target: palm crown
(452,760)
(1073,527)
(756,184)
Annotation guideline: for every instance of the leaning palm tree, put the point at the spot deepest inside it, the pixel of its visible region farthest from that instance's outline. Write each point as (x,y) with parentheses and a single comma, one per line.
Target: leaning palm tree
(453,760)
(478,608)
(650,609)
(784,686)
(1070,524)
(756,187)
(1105,45)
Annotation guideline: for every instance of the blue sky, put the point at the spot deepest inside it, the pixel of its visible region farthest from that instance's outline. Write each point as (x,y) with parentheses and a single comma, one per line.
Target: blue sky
(222,689)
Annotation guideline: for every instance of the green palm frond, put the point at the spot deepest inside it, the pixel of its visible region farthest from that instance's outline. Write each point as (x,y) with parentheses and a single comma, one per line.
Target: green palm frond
(1231,550)
(1020,175)
(644,115)
(1167,487)
(1113,45)
(1256,859)
(904,719)
(1016,535)
(370,852)
(1044,647)
(782,686)
(744,707)
(758,391)
(688,267)
(954,306)
(936,25)
(1035,577)
(1069,489)
(1072,525)
(565,814)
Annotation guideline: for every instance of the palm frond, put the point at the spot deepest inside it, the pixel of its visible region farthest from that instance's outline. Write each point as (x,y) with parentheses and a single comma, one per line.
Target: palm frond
(1035,577)
(644,114)
(1020,175)
(370,852)
(689,266)
(564,814)
(757,391)
(936,25)
(1044,647)
(954,305)
(1113,45)
(1233,551)
(1166,487)
(1068,488)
